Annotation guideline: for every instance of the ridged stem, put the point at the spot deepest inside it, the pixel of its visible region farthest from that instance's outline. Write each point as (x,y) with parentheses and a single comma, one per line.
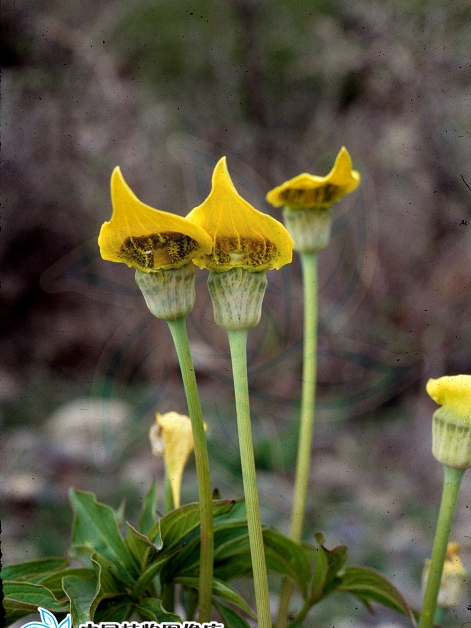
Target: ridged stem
(238,347)
(451,486)
(180,338)
(306,429)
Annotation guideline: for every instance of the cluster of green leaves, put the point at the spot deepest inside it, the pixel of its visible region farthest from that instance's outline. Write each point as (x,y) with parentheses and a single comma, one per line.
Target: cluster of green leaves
(124,576)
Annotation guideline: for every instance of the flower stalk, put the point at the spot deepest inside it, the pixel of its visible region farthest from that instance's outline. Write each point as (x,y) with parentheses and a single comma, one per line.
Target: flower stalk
(307,201)
(451,486)
(306,428)
(237,297)
(309,268)
(238,348)
(180,339)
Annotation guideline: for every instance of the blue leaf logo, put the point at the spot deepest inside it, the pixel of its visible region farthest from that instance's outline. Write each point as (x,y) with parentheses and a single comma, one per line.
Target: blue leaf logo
(48,621)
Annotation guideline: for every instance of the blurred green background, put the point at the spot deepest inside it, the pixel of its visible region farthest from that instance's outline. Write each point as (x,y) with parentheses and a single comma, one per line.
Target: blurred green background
(164,89)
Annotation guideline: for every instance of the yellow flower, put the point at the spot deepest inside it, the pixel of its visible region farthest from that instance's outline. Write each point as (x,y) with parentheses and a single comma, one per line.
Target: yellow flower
(454,392)
(307,190)
(147,238)
(453,577)
(242,236)
(172,437)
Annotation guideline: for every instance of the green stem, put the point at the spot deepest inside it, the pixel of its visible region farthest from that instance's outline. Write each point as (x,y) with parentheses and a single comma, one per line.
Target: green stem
(180,338)
(451,487)
(309,266)
(306,428)
(168,590)
(168,597)
(238,346)
(168,495)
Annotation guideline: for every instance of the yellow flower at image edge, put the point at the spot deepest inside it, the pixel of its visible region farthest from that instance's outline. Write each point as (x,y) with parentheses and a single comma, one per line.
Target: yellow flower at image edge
(172,438)
(147,239)
(242,236)
(307,190)
(453,392)
(451,443)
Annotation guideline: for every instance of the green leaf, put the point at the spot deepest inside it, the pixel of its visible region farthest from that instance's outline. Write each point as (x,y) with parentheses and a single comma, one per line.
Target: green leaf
(238,511)
(235,566)
(320,570)
(185,561)
(108,578)
(140,547)
(230,618)
(152,570)
(151,609)
(284,556)
(119,513)
(95,526)
(17,610)
(228,536)
(232,555)
(149,509)
(81,591)
(336,558)
(53,582)
(220,589)
(22,596)
(43,566)
(82,553)
(179,523)
(116,609)
(368,584)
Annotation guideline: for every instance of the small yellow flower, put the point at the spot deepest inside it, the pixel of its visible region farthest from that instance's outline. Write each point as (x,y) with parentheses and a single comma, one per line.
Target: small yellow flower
(172,437)
(307,190)
(147,238)
(454,392)
(453,577)
(242,236)
(451,431)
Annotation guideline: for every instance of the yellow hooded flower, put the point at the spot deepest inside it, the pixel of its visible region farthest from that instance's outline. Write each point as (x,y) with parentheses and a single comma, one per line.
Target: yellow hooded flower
(452,422)
(307,190)
(172,437)
(242,236)
(454,392)
(147,238)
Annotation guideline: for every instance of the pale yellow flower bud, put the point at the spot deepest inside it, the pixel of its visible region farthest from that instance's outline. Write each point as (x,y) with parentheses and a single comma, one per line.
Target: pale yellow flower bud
(172,437)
